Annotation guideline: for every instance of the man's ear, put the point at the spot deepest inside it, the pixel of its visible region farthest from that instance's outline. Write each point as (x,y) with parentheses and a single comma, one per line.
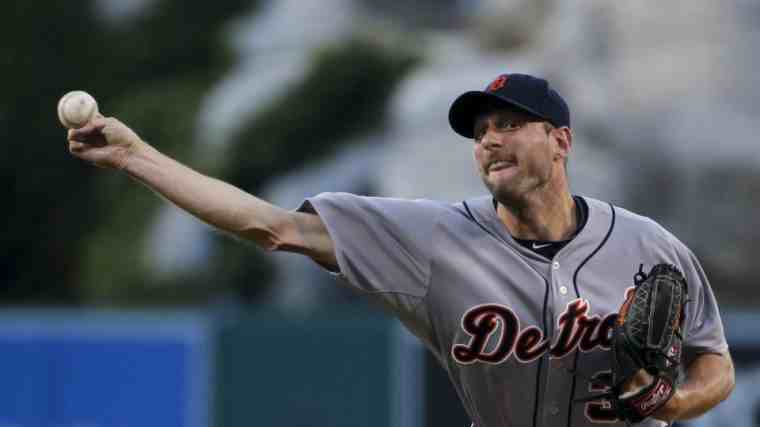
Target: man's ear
(564,138)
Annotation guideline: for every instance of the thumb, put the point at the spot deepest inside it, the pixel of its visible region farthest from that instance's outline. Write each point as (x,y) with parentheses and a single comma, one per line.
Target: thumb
(95,125)
(91,133)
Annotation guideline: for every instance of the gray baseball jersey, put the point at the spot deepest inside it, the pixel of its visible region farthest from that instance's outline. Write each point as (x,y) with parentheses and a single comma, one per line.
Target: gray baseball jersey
(508,325)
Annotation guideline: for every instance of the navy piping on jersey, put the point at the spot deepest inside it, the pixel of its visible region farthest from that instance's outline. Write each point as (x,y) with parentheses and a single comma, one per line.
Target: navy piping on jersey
(546,325)
(541,360)
(472,218)
(578,295)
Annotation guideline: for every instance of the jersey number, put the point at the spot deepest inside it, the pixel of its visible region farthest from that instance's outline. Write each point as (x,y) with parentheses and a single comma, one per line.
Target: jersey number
(600,411)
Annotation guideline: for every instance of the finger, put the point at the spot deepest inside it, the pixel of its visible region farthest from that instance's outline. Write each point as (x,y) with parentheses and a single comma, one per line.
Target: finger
(112,128)
(82,133)
(86,132)
(77,147)
(96,123)
(99,121)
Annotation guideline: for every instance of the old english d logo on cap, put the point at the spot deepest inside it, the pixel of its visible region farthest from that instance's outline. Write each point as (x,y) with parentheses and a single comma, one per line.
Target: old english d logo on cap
(498,83)
(524,92)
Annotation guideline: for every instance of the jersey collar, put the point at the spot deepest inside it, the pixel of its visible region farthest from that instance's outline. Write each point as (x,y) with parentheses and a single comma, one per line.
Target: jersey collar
(592,234)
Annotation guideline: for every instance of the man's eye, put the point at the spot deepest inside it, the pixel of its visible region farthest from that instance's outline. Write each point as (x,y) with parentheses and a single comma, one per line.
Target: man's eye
(508,125)
(499,125)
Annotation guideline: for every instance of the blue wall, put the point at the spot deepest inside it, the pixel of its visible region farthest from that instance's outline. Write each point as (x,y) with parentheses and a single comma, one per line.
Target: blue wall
(177,369)
(96,369)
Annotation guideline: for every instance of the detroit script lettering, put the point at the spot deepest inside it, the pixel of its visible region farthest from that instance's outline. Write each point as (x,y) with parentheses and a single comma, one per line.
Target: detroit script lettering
(576,329)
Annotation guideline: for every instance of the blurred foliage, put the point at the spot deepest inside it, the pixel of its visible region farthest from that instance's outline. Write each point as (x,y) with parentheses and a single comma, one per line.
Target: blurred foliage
(152,71)
(47,48)
(344,95)
(76,235)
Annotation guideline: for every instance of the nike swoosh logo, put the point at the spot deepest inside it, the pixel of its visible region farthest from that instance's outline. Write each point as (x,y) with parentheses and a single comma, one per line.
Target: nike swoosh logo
(535,246)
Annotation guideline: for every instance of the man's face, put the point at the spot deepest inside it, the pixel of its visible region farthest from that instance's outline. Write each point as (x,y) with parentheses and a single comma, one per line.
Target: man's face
(514,152)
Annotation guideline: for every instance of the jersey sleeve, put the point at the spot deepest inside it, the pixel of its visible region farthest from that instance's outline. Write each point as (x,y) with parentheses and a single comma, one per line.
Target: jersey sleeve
(704,328)
(382,245)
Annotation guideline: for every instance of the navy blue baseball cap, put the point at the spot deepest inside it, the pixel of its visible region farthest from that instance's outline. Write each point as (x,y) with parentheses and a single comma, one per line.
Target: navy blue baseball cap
(521,91)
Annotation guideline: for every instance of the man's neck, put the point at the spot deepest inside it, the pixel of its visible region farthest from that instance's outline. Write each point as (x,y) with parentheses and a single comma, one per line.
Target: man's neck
(543,215)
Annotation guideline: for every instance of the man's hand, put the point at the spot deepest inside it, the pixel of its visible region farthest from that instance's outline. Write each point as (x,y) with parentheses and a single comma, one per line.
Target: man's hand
(709,380)
(105,142)
(671,411)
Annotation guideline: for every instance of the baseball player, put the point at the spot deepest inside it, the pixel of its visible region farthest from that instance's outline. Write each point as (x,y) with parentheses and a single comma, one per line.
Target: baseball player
(516,293)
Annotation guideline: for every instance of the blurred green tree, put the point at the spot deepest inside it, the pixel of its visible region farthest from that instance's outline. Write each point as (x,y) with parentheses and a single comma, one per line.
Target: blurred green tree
(58,205)
(46,47)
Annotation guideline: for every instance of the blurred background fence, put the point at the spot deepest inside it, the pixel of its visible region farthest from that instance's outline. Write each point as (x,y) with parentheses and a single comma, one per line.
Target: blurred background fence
(289,98)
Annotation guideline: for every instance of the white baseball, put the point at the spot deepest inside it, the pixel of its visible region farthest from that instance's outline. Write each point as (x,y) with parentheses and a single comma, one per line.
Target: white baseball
(76,108)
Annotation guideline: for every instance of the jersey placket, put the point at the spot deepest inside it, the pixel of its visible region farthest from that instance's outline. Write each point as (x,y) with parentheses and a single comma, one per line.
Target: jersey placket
(558,378)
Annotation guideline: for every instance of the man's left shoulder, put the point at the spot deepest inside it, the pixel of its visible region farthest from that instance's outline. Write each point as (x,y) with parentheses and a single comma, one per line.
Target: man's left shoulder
(640,226)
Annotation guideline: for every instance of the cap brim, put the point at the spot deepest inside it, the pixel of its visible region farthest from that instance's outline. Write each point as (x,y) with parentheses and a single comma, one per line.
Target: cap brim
(468,106)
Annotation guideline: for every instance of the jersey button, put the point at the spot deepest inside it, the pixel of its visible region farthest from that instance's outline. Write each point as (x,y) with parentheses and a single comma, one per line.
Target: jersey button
(554,410)
(555,265)
(563,290)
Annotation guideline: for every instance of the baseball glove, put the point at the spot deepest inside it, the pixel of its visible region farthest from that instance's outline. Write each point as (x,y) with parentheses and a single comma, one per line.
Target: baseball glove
(647,335)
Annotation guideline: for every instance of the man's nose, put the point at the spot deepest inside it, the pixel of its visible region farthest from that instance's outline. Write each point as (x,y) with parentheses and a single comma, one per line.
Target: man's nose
(490,140)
